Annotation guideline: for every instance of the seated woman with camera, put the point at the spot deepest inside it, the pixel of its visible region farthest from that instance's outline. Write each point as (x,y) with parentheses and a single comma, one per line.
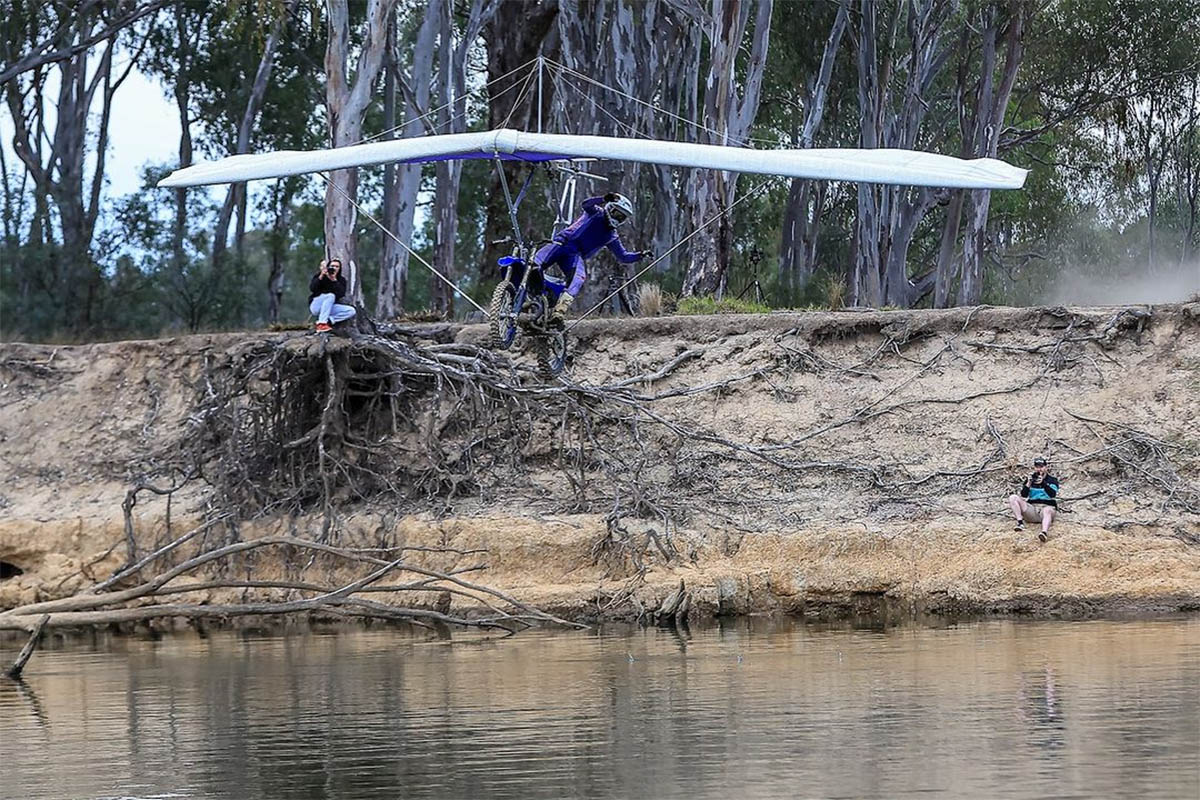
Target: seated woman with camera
(325,293)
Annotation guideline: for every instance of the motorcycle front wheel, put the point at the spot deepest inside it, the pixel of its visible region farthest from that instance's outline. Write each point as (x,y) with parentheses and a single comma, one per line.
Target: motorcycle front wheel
(503,317)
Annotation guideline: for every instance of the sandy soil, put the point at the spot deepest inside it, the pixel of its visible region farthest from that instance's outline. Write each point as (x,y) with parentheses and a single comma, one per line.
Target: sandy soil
(944,408)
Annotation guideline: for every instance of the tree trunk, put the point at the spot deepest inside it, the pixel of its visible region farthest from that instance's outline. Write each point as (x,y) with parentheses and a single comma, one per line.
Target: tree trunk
(389,300)
(730,116)
(789,278)
(394,269)
(813,229)
(235,195)
(517,33)
(346,103)
(894,84)
(452,118)
(284,191)
(991,105)
(944,270)
(441,296)
(797,250)
(182,93)
(867,287)
(1187,161)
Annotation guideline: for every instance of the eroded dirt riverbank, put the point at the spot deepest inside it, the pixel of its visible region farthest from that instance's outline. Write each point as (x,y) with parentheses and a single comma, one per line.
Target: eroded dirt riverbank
(833,462)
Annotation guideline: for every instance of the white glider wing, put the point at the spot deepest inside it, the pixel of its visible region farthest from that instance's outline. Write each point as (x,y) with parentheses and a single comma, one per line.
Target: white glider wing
(904,167)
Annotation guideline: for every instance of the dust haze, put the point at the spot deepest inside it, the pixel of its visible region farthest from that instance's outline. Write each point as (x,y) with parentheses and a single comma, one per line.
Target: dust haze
(1081,286)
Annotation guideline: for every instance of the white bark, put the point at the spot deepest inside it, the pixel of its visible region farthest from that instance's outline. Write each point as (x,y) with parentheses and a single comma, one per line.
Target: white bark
(399,213)
(452,118)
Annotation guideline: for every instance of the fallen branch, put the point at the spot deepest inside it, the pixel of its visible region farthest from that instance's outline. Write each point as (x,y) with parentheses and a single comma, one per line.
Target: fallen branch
(35,636)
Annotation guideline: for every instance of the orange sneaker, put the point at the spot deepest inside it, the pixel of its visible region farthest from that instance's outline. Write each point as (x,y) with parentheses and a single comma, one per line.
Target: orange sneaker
(324,327)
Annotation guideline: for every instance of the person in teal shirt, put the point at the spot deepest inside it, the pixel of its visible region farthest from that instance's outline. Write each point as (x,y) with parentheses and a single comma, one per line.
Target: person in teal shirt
(1037,501)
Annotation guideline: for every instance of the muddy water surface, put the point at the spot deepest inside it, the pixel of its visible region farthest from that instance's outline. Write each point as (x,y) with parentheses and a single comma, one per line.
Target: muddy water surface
(996,709)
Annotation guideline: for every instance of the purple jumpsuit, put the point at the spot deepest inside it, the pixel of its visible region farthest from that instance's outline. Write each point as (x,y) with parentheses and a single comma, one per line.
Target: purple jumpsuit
(581,240)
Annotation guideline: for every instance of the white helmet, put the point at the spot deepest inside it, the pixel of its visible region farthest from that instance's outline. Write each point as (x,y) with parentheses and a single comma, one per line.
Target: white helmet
(618,209)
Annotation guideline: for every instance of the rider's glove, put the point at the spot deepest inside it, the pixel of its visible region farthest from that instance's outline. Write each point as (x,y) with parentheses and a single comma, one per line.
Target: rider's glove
(646,254)
(611,196)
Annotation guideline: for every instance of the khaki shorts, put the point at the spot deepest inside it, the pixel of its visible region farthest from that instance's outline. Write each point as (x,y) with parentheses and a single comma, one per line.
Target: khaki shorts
(1032,512)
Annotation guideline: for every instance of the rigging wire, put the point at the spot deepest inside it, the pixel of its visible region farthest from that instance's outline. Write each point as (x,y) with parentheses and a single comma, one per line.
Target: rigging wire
(432,111)
(520,97)
(403,244)
(722,213)
(575,73)
(620,122)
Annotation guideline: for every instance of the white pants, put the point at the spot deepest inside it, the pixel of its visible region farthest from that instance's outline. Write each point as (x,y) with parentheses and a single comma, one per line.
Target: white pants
(325,310)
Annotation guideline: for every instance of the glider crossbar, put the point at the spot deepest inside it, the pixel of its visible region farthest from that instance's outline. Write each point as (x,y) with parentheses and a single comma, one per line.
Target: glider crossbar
(723,212)
(403,244)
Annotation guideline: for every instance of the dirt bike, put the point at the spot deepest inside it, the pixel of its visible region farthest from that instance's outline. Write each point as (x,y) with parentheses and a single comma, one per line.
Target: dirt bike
(524,300)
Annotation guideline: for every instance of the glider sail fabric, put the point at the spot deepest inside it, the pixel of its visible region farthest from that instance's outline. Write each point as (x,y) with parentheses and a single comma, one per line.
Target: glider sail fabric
(905,167)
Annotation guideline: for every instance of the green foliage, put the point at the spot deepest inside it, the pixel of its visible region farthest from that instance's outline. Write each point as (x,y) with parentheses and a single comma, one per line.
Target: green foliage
(1105,114)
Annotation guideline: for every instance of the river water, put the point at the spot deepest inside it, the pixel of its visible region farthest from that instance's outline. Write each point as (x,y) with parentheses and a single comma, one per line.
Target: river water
(993,709)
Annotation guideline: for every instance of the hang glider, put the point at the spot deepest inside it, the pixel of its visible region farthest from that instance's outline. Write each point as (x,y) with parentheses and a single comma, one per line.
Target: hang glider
(905,167)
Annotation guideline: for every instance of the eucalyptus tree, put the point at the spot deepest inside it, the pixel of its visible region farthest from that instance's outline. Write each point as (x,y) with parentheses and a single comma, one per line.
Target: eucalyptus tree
(402,182)
(1153,124)
(516,34)
(1103,111)
(243,77)
(796,98)
(348,93)
(728,112)
(235,195)
(452,117)
(60,135)
(1001,48)
(174,51)
(650,60)
(56,35)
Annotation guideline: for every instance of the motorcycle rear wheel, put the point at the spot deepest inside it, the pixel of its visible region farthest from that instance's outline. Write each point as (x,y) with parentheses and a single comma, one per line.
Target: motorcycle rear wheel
(551,350)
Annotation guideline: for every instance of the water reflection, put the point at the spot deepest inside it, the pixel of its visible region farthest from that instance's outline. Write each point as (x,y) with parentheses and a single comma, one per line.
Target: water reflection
(1040,708)
(761,709)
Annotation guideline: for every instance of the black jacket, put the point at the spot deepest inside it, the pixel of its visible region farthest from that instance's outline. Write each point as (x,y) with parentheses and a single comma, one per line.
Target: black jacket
(323,285)
(1043,492)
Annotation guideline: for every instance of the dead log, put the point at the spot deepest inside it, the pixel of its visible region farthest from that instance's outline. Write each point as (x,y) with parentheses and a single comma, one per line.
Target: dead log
(35,637)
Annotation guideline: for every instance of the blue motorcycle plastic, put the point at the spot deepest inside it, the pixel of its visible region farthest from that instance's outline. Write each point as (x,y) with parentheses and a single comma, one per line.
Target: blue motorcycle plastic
(524,300)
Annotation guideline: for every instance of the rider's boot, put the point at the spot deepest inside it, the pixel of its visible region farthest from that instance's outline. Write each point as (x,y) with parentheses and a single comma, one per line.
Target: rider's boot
(560,308)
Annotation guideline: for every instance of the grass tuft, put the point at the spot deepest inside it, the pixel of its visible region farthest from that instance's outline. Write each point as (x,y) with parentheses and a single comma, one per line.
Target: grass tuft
(710,305)
(650,300)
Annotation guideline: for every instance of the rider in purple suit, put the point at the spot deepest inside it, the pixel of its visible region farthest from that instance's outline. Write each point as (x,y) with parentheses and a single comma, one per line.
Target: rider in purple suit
(595,229)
